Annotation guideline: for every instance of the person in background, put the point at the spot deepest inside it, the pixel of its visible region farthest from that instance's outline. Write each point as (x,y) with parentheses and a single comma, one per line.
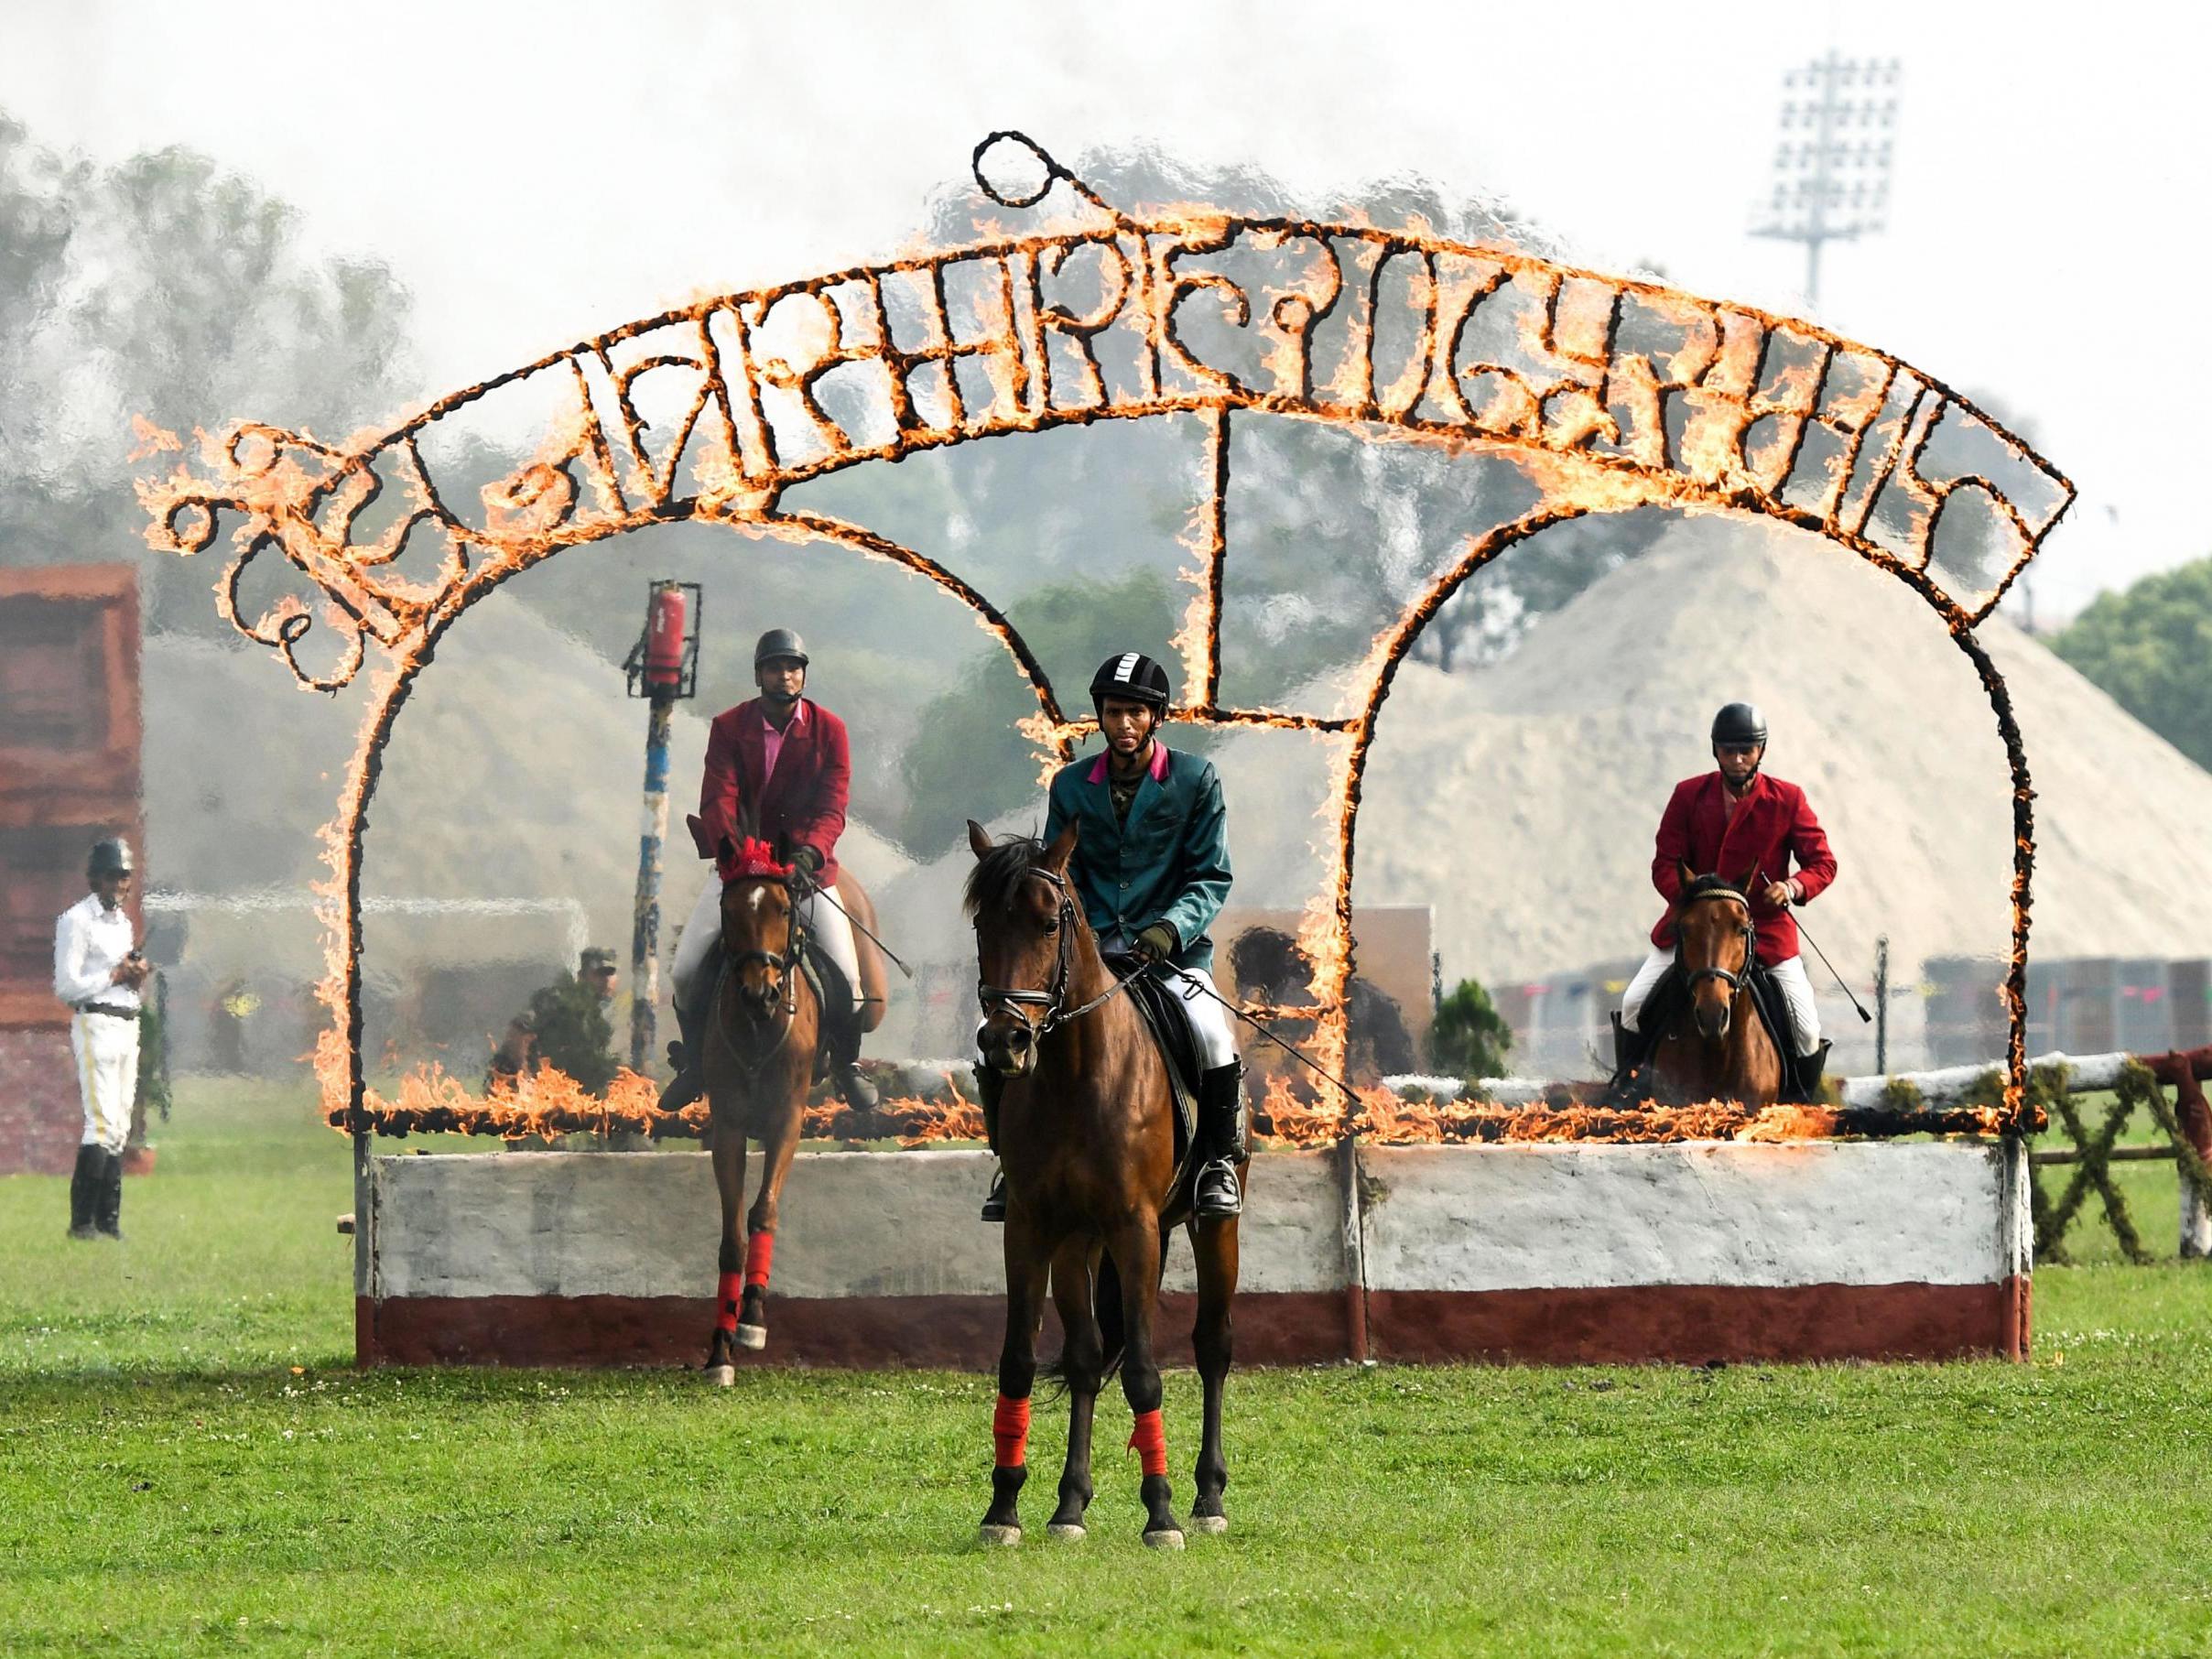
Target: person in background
(100,973)
(572,1020)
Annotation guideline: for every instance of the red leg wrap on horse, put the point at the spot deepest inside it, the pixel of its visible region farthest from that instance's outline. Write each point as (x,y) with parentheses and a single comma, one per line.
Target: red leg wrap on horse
(1010,1430)
(1149,1441)
(760,1249)
(727,1290)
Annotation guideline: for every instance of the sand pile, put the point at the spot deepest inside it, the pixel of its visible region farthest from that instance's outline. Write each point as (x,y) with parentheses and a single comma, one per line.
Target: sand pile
(1520,800)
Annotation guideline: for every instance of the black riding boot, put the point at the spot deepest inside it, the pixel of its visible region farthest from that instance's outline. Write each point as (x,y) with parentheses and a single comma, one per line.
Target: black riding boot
(1809,1069)
(1220,1142)
(989,1085)
(1629,1054)
(84,1190)
(685,1054)
(851,1083)
(111,1195)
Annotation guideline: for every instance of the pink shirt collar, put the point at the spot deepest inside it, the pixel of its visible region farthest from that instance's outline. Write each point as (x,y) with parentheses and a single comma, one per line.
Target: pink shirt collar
(1159,768)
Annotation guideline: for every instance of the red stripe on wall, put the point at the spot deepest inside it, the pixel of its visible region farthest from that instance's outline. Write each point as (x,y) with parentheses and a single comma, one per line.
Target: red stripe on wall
(1619,1325)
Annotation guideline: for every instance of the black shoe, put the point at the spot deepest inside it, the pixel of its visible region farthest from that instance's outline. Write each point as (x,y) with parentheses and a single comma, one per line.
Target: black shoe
(109,1222)
(994,1205)
(684,1087)
(858,1093)
(1218,1194)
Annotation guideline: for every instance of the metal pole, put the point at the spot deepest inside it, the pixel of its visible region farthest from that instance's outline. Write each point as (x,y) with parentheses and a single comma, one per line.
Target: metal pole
(644,933)
(1881,1005)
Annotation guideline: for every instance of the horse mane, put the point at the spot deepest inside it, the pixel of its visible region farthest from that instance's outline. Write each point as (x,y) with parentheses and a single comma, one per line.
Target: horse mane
(999,873)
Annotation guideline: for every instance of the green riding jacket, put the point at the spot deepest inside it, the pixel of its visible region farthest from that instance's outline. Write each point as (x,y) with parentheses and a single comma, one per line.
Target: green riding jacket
(1170,863)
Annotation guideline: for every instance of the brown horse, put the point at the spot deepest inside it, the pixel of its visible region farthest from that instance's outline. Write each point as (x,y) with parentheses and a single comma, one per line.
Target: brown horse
(1086,1130)
(761,1040)
(1715,1047)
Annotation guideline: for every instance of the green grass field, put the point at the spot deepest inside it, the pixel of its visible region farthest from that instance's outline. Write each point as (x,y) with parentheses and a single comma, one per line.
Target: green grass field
(186,1464)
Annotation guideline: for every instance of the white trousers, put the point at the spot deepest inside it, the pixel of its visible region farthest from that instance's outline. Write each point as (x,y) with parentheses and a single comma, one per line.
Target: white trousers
(1787,974)
(703,929)
(107,1076)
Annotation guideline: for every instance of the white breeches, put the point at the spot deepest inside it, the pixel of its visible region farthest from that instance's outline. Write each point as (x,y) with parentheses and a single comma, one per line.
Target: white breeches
(107,1075)
(703,927)
(1209,1028)
(1787,974)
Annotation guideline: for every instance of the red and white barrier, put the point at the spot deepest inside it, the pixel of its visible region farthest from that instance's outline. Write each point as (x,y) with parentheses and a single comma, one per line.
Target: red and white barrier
(1552,1253)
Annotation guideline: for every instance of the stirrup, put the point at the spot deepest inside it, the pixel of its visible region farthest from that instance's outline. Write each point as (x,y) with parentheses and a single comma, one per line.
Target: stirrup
(994,1203)
(1216,1193)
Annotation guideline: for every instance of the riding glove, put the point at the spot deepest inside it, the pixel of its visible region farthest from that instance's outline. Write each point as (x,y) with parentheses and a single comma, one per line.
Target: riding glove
(1156,943)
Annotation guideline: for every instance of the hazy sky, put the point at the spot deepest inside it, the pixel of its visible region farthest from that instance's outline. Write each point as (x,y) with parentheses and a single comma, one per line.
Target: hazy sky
(537,172)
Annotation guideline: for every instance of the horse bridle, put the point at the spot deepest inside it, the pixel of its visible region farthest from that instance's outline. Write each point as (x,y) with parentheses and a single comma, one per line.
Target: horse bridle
(794,952)
(996,998)
(1734,981)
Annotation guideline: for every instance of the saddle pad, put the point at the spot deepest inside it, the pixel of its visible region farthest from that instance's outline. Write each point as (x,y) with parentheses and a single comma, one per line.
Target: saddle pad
(1156,1002)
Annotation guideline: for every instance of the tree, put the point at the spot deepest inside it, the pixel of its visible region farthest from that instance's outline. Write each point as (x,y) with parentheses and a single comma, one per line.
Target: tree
(966,761)
(1469,1039)
(164,289)
(2147,647)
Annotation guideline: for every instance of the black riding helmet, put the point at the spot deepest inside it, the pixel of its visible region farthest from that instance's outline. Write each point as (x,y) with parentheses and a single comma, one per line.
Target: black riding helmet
(1739,723)
(1131,675)
(780,642)
(109,857)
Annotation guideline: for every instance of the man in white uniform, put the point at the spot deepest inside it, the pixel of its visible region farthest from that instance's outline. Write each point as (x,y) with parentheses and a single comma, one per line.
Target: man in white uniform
(99,972)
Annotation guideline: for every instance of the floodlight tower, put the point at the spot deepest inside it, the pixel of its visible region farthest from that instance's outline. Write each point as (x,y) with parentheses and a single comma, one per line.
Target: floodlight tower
(1832,159)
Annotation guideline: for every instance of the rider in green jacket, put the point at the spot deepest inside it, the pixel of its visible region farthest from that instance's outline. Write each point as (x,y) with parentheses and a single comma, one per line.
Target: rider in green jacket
(1151,867)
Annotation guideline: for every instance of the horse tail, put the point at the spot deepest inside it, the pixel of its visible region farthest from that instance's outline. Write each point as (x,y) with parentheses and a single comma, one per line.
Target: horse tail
(1106,1301)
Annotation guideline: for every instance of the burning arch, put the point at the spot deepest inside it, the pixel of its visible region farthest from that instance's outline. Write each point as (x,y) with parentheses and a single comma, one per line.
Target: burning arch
(1610,393)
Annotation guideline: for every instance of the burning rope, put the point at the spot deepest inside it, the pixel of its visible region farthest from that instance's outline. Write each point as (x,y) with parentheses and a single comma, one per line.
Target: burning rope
(1609,393)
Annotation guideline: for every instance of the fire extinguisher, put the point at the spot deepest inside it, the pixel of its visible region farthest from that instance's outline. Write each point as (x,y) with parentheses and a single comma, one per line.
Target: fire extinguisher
(665,644)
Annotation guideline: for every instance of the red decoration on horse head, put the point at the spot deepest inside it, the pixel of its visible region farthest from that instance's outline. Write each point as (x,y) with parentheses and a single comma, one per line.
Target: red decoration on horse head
(755,859)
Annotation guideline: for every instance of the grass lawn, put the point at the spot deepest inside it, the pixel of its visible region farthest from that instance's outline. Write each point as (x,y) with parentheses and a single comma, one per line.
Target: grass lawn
(186,1464)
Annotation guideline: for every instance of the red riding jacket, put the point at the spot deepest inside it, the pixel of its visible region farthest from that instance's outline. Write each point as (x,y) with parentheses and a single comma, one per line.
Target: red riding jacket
(801,803)
(1772,824)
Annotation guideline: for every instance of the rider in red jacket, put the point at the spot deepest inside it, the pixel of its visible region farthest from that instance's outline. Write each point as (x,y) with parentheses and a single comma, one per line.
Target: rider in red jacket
(785,760)
(1741,824)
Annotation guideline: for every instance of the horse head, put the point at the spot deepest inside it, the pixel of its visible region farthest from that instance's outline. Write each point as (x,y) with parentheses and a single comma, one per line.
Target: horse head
(1028,927)
(757,923)
(1715,941)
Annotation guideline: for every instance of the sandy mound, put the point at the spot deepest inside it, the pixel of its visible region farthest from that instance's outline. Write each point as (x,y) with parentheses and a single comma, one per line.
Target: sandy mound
(1520,800)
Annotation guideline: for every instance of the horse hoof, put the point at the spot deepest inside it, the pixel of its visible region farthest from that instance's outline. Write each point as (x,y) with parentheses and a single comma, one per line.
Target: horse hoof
(722,1376)
(755,1337)
(1069,1532)
(1169,1538)
(992,1536)
(1209,1523)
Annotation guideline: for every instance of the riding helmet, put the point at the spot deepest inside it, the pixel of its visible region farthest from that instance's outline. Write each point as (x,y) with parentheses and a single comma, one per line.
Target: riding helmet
(1131,675)
(109,857)
(780,642)
(1739,723)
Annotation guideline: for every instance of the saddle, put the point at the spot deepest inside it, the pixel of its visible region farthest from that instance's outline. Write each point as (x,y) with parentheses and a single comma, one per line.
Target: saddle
(1160,1008)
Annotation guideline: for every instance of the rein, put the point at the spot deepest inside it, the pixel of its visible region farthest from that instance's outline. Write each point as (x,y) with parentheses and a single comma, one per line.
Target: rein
(1001,998)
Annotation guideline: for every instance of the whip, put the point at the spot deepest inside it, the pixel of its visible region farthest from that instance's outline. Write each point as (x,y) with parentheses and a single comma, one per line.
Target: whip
(824,893)
(1291,1049)
(1805,933)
